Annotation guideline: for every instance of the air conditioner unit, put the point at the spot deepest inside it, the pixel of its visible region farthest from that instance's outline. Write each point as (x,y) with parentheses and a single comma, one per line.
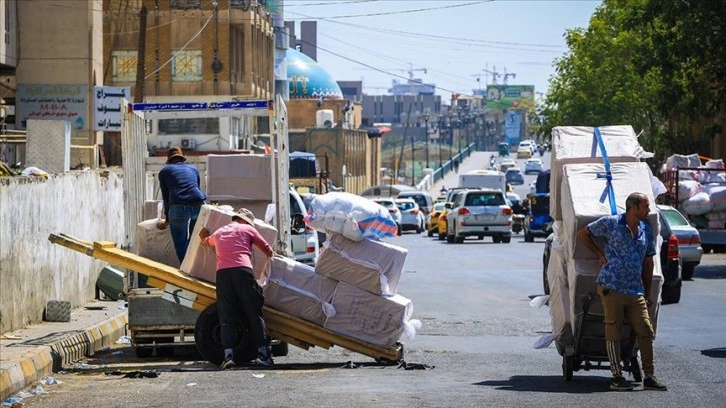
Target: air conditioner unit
(190,144)
(324,118)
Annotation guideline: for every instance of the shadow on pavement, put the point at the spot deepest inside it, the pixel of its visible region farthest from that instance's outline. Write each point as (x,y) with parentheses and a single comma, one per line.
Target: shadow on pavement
(719,352)
(710,272)
(548,383)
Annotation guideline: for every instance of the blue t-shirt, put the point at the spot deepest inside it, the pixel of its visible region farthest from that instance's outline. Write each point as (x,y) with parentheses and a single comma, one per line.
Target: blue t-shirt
(179,184)
(624,252)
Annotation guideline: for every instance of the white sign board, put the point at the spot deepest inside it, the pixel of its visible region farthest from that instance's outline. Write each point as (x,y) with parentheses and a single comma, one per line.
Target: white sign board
(52,102)
(107,107)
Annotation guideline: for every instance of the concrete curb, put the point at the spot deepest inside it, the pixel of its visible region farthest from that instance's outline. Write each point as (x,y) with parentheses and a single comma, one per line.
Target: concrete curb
(42,361)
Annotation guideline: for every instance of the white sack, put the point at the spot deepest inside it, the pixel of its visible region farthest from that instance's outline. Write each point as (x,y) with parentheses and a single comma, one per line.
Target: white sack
(717,196)
(156,244)
(687,189)
(353,216)
(699,204)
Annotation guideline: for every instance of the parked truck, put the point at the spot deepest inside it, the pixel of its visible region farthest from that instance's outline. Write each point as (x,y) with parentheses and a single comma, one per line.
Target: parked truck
(483,179)
(699,194)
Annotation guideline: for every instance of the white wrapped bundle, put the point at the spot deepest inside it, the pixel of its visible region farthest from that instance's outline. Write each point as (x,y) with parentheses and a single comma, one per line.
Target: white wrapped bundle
(716,216)
(699,204)
(378,320)
(687,189)
(715,164)
(717,196)
(353,216)
(374,266)
(156,244)
(679,160)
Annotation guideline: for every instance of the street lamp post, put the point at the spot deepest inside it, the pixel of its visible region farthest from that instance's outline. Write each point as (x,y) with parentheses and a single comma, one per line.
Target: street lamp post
(450,130)
(426,134)
(439,131)
(413,164)
(458,126)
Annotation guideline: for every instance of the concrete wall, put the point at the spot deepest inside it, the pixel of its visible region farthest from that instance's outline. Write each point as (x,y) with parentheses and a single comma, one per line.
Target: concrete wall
(87,205)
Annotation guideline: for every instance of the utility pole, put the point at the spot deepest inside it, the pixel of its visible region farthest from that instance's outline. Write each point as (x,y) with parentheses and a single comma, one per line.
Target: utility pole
(403,140)
(141,58)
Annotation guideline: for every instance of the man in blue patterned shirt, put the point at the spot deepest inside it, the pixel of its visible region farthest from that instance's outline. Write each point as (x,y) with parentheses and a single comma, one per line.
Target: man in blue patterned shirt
(624,283)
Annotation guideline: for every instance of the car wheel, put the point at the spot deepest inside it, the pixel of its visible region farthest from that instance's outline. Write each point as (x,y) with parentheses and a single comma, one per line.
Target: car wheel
(442,237)
(431,233)
(459,240)
(687,272)
(568,366)
(400,230)
(496,239)
(449,239)
(671,294)
(528,236)
(480,237)
(507,239)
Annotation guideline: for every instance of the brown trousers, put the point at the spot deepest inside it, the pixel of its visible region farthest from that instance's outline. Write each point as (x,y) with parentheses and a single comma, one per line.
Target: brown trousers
(617,305)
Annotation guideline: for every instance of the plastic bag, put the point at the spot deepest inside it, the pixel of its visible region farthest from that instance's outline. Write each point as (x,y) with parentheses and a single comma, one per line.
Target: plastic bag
(352,216)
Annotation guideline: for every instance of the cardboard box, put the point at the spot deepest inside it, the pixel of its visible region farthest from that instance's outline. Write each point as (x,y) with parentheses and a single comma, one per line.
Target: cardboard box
(577,144)
(370,265)
(201,262)
(156,244)
(585,199)
(239,177)
(294,288)
(377,320)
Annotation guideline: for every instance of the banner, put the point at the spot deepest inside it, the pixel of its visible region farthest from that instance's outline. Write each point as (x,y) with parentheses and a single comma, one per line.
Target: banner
(510,97)
(512,127)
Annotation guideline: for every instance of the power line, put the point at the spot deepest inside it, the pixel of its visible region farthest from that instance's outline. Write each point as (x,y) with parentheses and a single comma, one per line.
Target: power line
(182,48)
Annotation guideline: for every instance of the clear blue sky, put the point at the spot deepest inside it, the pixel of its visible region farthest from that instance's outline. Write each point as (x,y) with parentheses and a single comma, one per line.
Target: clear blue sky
(454,40)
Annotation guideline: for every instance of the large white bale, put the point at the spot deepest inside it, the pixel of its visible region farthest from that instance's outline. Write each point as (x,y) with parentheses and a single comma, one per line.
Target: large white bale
(585,198)
(578,144)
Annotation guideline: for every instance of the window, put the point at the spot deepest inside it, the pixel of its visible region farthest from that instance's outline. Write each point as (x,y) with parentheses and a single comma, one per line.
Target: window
(673,217)
(196,126)
(123,66)
(186,66)
(481,200)
(185,4)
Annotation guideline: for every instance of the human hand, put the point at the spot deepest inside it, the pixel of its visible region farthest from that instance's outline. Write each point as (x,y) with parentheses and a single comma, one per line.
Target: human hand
(602,260)
(203,233)
(162,224)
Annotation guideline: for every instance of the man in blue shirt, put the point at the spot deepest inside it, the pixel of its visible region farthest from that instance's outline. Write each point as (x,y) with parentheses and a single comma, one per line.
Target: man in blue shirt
(624,283)
(182,197)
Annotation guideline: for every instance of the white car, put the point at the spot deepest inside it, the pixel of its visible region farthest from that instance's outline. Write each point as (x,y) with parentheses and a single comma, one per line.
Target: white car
(304,240)
(479,213)
(412,218)
(533,166)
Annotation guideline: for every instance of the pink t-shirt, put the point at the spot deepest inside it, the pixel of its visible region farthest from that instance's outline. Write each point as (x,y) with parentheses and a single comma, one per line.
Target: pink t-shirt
(233,244)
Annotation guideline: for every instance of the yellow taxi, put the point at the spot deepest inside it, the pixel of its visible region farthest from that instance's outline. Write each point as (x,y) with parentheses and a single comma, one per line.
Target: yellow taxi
(432,222)
(442,222)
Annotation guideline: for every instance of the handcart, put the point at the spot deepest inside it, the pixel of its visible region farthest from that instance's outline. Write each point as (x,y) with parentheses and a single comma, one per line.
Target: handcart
(194,296)
(589,352)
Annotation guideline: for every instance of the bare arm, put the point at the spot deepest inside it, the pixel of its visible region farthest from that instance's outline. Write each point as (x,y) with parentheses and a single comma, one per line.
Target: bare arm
(647,276)
(584,236)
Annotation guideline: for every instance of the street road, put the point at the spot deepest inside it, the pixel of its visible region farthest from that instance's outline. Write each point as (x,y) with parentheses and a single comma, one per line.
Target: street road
(477,340)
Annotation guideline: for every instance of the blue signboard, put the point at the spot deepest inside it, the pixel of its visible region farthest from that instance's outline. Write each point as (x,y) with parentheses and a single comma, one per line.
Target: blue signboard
(512,127)
(197,106)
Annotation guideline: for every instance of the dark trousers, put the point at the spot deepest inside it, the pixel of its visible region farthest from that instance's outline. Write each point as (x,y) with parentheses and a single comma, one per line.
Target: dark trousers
(239,297)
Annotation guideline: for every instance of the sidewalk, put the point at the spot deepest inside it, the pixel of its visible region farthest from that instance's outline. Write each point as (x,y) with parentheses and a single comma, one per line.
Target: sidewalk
(37,351)
(477,161)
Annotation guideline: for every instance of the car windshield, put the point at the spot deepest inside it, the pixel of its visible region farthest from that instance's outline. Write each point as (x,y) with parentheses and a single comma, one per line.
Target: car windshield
(673,217)
(484,199)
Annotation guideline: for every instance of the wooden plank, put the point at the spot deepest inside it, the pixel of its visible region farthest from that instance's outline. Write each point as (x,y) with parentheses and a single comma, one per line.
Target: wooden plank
(289,340)
(307,337)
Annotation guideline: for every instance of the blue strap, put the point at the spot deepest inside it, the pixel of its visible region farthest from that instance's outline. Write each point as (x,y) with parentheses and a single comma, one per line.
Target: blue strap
(608,176)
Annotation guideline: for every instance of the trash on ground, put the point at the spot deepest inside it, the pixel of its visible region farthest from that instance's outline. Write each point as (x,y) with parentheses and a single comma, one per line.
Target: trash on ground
(415,366)
(123,340)
(258,375)
(117,353)
(544,341)
(191,384)
(350,364)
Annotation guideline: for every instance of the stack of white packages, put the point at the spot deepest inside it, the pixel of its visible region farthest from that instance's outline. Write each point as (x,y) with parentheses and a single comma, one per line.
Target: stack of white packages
(366,304)
(201,261)
(701,190)
(294,288)
(579,183)
(577,144)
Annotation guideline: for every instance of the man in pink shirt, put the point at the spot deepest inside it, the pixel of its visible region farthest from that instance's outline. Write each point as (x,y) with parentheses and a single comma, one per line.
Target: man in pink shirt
(238,293)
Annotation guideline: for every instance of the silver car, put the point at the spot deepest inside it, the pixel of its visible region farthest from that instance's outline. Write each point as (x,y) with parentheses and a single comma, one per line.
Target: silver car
(480,213)
(689,240)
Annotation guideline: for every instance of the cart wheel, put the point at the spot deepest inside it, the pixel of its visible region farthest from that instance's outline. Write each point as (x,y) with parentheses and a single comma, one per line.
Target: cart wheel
(280,349)
(143,352)
(635,369)
(165,351)
(568,365)
(208,337)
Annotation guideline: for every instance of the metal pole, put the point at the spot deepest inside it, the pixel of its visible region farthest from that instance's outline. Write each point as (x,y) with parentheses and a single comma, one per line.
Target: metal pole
(413,164)
(426,132)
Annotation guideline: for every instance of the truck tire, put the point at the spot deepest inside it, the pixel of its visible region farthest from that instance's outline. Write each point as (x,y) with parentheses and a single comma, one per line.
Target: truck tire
(671,294)
(208,337)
